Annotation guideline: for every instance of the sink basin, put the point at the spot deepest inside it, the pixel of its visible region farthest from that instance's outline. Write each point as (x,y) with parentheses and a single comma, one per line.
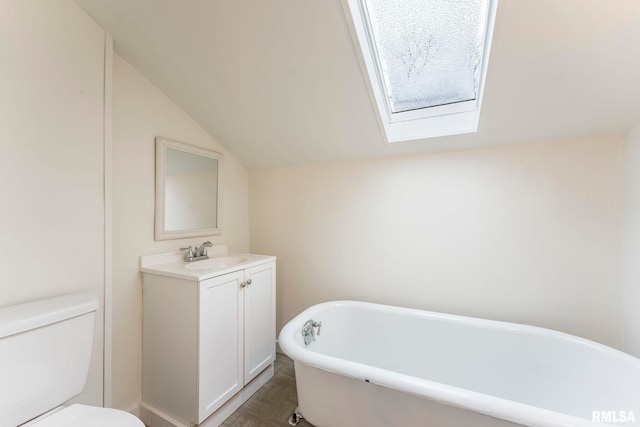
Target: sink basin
(216,263)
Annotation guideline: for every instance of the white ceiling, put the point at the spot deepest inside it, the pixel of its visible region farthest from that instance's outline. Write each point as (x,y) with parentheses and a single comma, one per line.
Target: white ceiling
(278,82)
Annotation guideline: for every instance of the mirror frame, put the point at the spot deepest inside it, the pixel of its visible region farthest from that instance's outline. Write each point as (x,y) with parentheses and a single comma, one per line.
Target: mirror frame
(161,155)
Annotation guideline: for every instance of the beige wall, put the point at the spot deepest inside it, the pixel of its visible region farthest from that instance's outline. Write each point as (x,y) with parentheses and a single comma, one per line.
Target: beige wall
(631,265)
(528,233)
(51,161)
(140,113)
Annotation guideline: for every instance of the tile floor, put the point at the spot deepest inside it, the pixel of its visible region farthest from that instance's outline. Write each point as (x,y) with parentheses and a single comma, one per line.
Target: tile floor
(273,404)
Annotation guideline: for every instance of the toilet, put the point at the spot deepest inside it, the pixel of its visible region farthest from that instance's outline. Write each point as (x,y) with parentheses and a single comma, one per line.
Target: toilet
(45,355)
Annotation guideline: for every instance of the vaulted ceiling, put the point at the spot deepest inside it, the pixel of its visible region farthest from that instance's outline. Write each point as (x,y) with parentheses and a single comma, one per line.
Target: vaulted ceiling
(279,82)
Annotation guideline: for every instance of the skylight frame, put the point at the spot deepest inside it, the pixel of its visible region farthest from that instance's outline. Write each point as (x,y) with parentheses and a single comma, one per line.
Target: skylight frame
(449,119)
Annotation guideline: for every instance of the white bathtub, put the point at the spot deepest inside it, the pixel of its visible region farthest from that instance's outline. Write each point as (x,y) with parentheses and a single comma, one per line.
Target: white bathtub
(375,365)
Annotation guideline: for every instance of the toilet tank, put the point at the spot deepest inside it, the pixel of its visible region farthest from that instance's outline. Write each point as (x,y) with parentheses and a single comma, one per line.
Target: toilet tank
(45,353)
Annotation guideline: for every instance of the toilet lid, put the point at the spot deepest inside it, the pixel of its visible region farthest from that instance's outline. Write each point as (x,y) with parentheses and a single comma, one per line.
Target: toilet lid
(89,416)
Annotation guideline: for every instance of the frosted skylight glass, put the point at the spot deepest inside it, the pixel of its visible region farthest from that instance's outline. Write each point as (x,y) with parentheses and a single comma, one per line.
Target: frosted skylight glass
(429,51)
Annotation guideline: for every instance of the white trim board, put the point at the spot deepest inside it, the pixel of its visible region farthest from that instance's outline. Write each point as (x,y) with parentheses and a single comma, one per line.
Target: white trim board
(107,398)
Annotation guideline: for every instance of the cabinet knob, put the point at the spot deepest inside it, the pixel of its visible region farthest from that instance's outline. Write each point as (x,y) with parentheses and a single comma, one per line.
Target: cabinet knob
(243,284)
(249,282)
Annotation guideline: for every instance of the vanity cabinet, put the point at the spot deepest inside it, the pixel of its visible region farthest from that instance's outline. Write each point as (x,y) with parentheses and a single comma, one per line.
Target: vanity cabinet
(204,340)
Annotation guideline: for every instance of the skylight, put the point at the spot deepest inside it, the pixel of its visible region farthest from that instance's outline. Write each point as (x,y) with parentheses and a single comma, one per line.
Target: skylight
(426,62)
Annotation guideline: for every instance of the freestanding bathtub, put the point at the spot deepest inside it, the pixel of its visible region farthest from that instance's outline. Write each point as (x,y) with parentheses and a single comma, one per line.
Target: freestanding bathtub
(381,366)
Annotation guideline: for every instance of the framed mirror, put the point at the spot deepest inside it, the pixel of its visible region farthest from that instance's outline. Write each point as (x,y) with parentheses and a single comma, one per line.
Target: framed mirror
(188,184)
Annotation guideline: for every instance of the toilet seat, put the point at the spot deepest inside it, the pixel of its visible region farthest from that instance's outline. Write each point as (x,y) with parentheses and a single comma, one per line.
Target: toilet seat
(89,416)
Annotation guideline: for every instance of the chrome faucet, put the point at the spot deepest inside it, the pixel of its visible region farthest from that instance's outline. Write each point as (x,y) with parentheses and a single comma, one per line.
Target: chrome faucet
(200,252)
(309,331)
(202,249)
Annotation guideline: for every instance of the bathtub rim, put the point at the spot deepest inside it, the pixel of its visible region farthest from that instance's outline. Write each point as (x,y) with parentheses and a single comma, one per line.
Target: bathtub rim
(492,406)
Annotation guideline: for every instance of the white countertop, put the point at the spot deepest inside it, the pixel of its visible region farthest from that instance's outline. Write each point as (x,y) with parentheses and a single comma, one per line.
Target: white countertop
(172,264)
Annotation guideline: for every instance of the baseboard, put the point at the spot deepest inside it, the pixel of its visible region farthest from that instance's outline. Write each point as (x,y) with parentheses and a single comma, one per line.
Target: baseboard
(152,417)
(135,410)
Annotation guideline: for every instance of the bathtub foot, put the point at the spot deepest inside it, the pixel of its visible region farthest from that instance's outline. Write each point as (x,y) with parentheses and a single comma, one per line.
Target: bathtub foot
(295,418)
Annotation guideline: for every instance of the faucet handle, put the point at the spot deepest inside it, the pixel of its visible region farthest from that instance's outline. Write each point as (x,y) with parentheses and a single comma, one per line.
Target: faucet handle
(189,251)
(204,247)
(317,325)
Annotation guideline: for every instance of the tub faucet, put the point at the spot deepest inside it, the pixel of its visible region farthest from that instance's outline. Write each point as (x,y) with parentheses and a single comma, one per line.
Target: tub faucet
(309,331)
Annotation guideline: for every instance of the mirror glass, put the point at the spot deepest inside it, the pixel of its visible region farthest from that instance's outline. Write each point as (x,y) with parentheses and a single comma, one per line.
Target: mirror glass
(187,190)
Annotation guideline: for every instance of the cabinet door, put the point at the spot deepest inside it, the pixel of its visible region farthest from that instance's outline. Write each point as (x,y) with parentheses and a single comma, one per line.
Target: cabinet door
(260,319)
(220,342)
